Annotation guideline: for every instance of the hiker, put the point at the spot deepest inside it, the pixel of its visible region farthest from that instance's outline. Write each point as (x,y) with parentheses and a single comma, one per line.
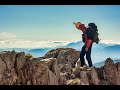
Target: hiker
(87,38)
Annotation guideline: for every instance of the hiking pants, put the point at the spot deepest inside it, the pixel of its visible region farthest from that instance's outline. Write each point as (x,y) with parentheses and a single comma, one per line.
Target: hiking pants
(88,56)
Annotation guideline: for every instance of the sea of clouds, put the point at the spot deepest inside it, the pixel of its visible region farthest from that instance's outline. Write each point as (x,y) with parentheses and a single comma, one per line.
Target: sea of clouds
(31,44)
(43,44)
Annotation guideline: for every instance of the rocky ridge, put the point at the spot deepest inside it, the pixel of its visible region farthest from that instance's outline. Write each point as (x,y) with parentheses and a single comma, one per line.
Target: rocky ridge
(56,67)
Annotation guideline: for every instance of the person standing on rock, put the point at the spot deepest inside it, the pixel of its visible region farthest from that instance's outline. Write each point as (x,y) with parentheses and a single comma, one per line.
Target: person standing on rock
(88,39)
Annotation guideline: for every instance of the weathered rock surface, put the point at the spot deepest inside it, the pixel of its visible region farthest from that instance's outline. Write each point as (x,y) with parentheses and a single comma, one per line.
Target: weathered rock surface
(64,55)
(57,67)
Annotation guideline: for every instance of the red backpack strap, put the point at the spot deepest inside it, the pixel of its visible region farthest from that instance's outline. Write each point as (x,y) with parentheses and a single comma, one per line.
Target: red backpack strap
(83,28)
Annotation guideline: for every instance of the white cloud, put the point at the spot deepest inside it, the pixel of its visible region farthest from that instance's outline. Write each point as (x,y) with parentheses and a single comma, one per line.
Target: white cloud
(31,44)
(10,40)
(6,35)
(110,42)
(41,44)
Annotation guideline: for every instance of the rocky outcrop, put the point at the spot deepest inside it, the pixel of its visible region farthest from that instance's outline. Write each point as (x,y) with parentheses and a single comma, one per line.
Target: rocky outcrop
(109,73)
(69,67)
(58,67)
(20,69)
(64,55)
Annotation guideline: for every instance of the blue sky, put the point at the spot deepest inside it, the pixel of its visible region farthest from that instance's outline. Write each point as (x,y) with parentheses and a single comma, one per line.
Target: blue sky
(55,22)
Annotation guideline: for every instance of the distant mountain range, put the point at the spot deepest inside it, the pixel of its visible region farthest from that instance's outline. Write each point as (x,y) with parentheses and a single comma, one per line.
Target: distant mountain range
(109,51)
(16,49)
(103,62)
(39,52)
(99,53)
(78,45)
(36,52)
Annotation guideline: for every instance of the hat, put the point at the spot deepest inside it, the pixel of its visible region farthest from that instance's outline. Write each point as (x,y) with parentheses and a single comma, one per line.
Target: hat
(77,24)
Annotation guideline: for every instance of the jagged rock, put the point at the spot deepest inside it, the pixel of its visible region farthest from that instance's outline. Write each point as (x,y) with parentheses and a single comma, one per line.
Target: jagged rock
(55,69)
(49,62)
(18,68)
(84,78)
(21,77)
(53,66)
(72,76)
(9,77)
(64,55)
(94,77)
(52,79)
(110,71)
(2,71)
(87,77)
(75,81)
(69,68)
(2,66)
(28,56)
(66,68)
(76,72)
(20,60)
(7,72)
(12,56)
(104,82)
(63,78)
(52,53)
(62,81)
(36,72)
(28,82)
(101,73)
(8,59)
(73,58)
(62,67)
(4,54)
(117,65)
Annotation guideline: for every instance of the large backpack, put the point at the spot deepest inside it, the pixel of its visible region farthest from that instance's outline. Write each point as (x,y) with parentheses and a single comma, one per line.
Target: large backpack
(92,32)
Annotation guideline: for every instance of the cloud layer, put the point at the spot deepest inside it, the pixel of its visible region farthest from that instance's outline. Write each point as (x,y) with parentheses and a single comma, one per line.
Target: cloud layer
(11,40)
(31,44)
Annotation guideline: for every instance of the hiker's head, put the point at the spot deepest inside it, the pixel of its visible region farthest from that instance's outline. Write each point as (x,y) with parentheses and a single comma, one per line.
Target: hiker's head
(78,25)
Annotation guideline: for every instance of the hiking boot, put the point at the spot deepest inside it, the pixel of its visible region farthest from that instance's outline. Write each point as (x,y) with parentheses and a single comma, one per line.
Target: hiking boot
(89,69)
(83,68)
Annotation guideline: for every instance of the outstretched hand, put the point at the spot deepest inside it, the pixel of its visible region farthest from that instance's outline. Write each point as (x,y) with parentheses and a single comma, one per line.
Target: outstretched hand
(77,25)
(86,49)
